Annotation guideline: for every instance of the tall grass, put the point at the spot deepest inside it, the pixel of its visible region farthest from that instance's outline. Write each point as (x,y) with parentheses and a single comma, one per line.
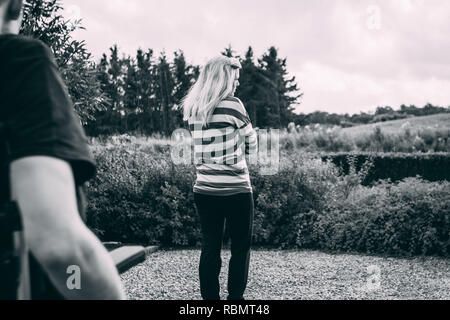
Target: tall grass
(335,139)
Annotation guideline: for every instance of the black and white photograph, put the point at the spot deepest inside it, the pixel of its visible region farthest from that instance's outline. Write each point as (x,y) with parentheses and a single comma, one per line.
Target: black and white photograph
(248,151)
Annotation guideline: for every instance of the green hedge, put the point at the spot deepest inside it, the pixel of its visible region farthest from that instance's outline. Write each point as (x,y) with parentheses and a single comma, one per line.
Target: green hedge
(395,166)
(139,196)
(408,218)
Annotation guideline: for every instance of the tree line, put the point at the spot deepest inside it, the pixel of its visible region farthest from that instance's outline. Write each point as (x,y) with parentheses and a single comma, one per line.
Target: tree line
(381,114)
(143,93)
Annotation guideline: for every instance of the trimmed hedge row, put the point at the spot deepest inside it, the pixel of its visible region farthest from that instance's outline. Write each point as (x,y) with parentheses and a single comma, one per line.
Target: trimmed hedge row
(139,196)
(395,166)
(408,218)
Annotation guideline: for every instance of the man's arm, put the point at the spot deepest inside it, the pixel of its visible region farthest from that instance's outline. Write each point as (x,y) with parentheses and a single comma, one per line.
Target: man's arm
(54,232)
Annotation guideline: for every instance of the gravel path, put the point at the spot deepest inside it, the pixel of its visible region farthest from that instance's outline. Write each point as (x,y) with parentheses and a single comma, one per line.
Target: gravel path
(295,275)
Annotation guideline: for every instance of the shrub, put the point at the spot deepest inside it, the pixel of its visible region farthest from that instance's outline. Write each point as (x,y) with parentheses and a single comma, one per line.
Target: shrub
(408,218)
(140,196)
(395,166)
(334,139)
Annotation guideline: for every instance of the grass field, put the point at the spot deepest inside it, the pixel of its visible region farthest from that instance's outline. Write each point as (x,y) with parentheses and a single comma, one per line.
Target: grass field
(295,275)
(424,134)
(433,122)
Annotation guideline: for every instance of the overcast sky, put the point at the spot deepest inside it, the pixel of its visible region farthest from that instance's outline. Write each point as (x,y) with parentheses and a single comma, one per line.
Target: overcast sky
(348,56)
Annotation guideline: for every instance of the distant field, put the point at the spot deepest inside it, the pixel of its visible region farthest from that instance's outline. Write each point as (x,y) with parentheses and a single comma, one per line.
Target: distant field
(434,122)
(427,134)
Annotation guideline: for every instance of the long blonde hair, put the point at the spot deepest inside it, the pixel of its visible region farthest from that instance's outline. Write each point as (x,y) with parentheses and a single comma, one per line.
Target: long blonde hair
(215,82)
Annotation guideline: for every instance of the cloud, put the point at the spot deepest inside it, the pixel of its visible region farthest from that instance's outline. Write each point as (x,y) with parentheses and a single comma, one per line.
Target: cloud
(347,55)
(337,91)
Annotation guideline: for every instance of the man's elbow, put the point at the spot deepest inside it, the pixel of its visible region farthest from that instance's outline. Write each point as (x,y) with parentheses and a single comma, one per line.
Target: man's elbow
(55,254)
(57,250)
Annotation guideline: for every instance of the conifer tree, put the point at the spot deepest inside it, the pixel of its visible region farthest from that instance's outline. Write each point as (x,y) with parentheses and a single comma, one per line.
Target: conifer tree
(184,76)
(146,88)
(248,90)
(164,87)
(229,52)
(283,91)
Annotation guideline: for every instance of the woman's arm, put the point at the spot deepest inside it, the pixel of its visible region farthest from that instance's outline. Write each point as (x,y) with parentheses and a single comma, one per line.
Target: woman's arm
(249,134)
(251,144)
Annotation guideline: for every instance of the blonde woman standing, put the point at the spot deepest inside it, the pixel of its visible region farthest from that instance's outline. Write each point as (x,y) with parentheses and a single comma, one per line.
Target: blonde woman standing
(224,141)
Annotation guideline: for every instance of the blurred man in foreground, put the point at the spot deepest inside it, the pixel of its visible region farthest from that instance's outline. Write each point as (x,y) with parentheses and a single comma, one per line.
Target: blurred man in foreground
(49,162)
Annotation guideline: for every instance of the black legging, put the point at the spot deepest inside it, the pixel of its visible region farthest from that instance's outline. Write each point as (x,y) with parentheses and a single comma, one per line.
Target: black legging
(213,210)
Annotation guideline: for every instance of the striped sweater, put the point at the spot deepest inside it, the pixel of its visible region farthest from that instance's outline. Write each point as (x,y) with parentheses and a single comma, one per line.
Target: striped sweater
(221,148)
